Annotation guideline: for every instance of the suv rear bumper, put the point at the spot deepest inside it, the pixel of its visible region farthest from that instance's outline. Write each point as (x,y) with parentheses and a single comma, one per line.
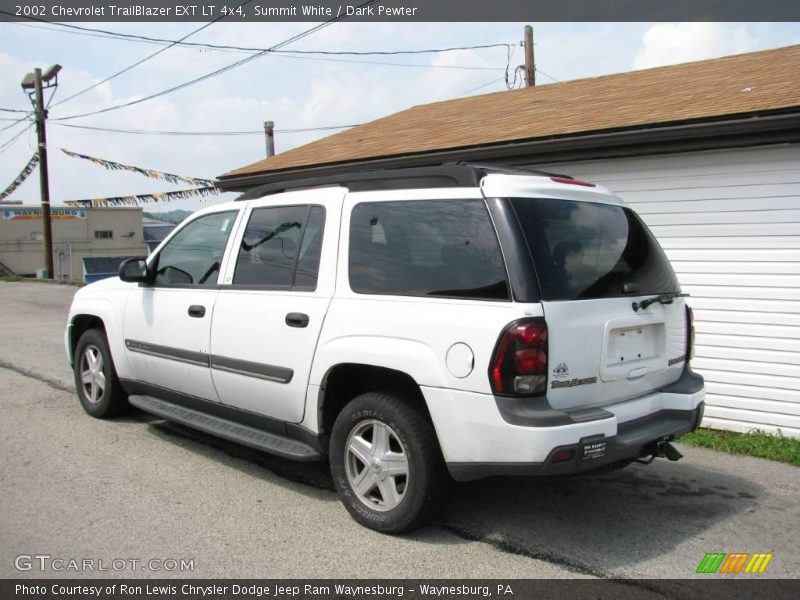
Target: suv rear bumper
(635,439)
(478,438)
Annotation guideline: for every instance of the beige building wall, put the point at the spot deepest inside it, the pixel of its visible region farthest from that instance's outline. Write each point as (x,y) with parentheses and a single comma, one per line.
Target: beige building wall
(77,233)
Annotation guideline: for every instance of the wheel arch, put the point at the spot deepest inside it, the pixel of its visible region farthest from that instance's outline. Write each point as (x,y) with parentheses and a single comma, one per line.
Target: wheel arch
(344,381)
(100,314)
(80,324)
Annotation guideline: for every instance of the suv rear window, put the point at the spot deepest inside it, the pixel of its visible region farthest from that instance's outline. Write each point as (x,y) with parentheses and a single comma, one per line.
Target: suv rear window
(585,250)
(442,248)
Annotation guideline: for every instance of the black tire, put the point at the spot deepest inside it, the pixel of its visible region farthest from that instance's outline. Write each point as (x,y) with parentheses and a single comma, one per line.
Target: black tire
(101,397)
(419,495)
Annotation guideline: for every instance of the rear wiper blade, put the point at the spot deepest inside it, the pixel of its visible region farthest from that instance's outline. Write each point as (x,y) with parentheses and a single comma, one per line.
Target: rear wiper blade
(662,298)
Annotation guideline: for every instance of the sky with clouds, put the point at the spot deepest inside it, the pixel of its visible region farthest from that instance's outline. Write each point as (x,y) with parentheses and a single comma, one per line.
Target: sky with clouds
(294,92)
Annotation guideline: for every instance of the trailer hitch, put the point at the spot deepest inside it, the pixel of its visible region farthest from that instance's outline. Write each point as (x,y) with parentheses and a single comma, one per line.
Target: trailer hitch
(662,449)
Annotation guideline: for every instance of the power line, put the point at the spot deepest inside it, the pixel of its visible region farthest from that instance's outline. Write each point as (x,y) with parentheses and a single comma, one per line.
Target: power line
(44,27)
(145,59)
(202,133)
(15,110)
(538,70)
(11,140)
(480,87)
(18,121)
(394,52)
(155,40)
(289,53)
(302,55)
(217,71)
(387,64)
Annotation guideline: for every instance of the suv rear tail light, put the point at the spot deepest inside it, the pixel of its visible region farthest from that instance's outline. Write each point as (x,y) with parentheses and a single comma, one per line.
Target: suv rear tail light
(519,361)
(691,335)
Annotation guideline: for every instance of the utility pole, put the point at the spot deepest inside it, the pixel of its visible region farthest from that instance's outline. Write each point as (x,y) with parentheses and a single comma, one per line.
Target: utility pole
(530,67)
(33,84)
(44,182)
(269,133)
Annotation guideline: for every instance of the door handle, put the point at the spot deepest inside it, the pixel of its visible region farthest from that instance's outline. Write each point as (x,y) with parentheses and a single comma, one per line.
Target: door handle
(197,311)
(638,372)
(297,320)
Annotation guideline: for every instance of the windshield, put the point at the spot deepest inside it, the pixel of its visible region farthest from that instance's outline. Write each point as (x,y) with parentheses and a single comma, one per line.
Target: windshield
(585,250)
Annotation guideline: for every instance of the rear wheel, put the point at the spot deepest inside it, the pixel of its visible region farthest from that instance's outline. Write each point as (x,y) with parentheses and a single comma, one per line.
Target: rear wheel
(99,390)
(386,464)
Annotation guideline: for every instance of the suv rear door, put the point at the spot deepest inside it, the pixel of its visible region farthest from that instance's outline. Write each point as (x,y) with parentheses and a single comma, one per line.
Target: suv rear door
(595,262)
(276,290)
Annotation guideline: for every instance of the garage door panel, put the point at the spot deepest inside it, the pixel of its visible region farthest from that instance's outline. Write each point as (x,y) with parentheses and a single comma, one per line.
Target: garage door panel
(766,282)
(739,341)
(682,182)
(783,383)
(724,218)
(739,403)
(732,243)
(777,357)
(784,307)
(735,255)
(743,426)
(750,318)
(742,293)
(727,230)
(746,329)
(691,164)
(742,268)
(717,205)
(752,392)
(755,417)
(754,367)
(726,192)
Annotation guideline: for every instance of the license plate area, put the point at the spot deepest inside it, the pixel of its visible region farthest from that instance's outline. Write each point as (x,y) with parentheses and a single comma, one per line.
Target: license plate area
(633,345)
(594,449)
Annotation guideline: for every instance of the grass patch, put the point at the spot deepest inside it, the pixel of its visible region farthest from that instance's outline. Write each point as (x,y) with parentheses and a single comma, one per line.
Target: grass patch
(755,443)
(12,278)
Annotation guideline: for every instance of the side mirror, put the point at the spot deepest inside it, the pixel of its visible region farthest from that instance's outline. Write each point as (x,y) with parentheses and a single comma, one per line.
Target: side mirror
(133,270)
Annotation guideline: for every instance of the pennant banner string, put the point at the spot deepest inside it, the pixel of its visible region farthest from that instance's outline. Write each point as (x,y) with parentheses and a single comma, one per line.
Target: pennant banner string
(138,199)
(115,166)
(21,177)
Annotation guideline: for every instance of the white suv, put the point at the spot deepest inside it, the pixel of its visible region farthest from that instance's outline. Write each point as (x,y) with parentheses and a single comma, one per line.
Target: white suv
(405,324)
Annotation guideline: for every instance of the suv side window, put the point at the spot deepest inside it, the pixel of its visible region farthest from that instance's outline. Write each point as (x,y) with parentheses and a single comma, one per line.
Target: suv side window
(194,255)
(426,248)
(281,248)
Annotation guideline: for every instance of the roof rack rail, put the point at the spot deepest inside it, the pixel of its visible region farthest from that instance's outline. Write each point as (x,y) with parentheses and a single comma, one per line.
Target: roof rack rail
(451,174)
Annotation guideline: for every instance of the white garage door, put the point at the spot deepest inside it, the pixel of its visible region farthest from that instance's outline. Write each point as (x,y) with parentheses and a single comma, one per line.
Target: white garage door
(730,223)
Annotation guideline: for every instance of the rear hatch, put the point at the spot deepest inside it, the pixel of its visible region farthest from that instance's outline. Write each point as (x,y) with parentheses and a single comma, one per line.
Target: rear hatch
(594,261)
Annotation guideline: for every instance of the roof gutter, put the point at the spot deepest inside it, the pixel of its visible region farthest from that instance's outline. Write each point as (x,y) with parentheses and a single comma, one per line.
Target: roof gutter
(726,132)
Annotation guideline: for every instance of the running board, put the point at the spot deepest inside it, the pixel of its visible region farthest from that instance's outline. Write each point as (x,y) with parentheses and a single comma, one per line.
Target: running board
(265,441)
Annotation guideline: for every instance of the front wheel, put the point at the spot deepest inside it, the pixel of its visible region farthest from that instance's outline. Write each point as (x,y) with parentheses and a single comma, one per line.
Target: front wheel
(386,464)
(99,390)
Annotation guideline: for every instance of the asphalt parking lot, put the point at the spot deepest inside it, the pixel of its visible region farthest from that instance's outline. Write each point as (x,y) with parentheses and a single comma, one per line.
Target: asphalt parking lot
(140,488)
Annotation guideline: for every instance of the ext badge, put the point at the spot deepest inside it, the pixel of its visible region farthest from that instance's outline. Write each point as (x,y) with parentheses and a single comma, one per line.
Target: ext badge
(560,378)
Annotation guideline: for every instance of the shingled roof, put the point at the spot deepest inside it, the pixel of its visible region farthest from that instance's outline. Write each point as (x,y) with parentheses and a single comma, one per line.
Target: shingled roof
(759,83)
